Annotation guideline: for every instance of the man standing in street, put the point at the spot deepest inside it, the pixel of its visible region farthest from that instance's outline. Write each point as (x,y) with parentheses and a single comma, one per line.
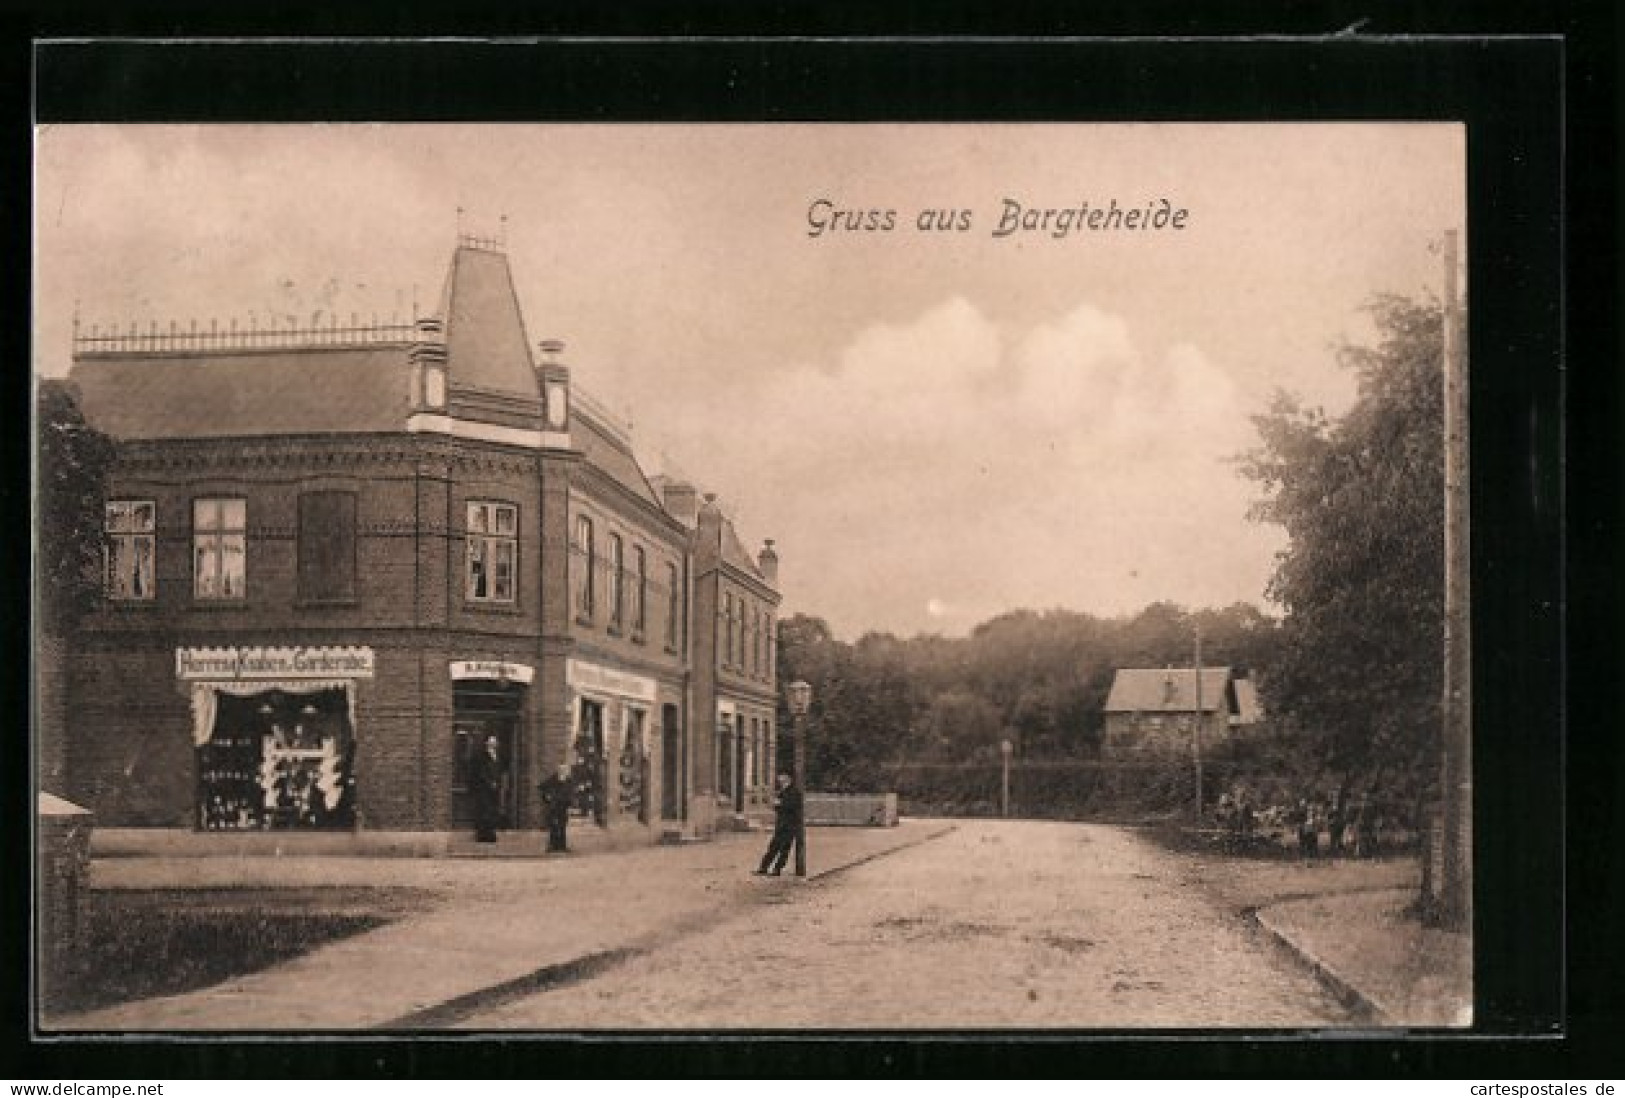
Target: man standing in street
(557,791)
(787,807)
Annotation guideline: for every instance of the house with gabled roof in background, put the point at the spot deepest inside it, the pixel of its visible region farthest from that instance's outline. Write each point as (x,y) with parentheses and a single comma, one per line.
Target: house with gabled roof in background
(340,559)
(1160,708)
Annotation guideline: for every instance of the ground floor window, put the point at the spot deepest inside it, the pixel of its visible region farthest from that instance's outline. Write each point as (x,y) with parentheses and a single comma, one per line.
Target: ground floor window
(278,759)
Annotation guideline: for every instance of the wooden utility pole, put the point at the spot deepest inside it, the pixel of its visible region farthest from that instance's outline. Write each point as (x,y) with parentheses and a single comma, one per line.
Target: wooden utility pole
(1196,738)
(800,721)
(1454,888)
(1004,788)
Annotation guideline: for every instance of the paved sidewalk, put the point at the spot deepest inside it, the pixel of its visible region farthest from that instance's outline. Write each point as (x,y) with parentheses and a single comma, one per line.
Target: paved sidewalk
(506,923)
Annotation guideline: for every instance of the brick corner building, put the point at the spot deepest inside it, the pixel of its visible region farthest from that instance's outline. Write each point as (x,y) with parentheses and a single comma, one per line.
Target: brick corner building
(339,559)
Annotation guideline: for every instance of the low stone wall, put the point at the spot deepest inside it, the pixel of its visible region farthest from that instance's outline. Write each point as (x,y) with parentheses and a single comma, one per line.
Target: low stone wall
(63,864)
(851,809)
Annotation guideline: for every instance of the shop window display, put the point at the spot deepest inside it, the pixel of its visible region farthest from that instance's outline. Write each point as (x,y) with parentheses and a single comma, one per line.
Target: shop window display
(278,760)
(589,765)
(633,770)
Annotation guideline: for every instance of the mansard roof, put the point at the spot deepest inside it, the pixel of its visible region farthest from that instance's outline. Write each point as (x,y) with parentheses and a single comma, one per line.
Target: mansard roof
(245,393)
(602,448)
(195,385)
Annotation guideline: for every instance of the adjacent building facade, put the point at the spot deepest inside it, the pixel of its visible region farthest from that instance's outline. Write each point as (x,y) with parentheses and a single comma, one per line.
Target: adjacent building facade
(340,560)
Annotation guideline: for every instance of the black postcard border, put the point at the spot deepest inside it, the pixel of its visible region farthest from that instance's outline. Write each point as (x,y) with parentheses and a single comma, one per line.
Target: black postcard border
(1533,404)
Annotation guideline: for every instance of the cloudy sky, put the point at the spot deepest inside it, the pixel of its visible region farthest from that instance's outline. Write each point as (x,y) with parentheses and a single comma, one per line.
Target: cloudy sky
(935,426)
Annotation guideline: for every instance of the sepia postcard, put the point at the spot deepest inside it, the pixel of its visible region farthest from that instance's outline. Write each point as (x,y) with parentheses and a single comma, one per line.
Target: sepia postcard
(701,578)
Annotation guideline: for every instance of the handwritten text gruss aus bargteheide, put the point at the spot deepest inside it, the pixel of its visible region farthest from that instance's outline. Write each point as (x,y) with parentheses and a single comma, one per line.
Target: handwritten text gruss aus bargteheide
(826,218)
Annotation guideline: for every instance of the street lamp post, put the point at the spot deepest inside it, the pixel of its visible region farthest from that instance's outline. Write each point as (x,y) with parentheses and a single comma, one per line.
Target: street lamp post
(800,694)
(1196,737)
(1004,790)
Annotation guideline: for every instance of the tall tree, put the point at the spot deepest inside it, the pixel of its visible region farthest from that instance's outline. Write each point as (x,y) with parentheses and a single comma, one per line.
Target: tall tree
(74,460)
(1362,579)
(72,464)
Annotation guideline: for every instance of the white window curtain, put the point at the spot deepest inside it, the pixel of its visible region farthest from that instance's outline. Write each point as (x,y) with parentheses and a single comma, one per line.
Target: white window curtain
(206,699)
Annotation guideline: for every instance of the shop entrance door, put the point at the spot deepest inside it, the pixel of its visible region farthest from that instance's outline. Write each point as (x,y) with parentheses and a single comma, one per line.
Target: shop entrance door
(671,763)
(470,734)
(739,763)
(482,710)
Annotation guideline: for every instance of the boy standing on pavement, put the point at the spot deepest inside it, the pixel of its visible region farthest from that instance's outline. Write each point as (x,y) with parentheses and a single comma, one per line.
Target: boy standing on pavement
(557,792)
(786,827)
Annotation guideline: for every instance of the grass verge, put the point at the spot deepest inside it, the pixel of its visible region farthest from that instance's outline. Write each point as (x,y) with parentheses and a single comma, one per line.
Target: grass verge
(1354,916)
(149,943)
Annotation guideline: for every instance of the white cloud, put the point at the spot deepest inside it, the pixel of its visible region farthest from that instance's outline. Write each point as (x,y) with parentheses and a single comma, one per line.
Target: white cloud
(1073,369)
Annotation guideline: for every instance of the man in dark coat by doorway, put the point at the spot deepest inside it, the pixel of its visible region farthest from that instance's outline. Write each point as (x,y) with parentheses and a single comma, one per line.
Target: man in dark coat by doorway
(558,793)
(486,787)
(787,808)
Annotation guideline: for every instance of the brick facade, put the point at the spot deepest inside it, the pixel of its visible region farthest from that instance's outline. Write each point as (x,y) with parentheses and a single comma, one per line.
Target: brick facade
(735,614)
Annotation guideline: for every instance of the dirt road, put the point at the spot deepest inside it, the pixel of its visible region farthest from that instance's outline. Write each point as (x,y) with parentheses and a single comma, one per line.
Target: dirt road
(996,924)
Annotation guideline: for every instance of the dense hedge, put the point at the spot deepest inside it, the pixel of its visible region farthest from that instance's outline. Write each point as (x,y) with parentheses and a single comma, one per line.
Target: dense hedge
(1060,789)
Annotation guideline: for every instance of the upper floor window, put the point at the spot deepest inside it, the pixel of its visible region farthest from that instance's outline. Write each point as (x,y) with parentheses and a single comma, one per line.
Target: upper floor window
(493,549)
(617,581)
(327,546)
(767,619)
(129,526)
(728,649)
(674,607)
(585,564)
(640,592)
(219,548)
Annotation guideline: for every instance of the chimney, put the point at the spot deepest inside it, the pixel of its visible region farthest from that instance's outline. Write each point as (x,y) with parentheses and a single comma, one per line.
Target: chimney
(682,501)
(553,384)
(768,562)
(710,520)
